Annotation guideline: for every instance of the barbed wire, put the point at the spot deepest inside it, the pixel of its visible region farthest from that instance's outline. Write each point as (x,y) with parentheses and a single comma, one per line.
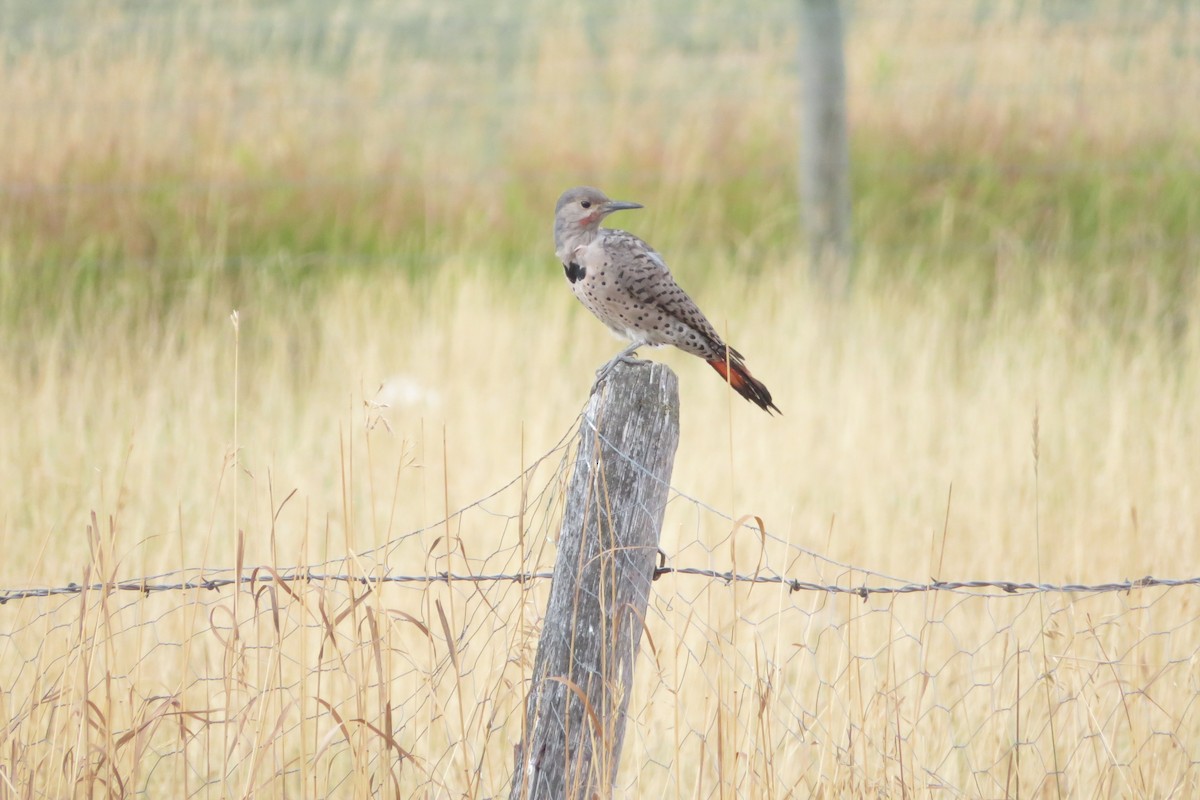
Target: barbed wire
(863,591)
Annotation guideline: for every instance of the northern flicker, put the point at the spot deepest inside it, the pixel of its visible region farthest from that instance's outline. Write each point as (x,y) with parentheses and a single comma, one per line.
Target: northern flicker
(627,285)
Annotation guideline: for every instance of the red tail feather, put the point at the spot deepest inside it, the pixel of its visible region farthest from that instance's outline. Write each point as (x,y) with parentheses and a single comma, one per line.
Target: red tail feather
(739,378)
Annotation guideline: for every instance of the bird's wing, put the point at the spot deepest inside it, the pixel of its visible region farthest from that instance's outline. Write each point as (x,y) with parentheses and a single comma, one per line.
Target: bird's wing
(649,281)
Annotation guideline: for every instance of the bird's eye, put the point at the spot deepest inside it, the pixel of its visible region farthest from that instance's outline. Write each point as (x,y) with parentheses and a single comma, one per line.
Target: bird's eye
(585,203)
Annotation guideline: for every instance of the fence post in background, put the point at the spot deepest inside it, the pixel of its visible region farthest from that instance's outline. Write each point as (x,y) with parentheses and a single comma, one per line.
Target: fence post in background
(583,672)
(824,148)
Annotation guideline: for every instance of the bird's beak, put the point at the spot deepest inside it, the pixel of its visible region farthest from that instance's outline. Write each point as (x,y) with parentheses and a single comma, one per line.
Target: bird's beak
(619,205)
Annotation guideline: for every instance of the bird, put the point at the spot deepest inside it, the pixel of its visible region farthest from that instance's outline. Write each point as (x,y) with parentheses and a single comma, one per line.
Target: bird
(626,284)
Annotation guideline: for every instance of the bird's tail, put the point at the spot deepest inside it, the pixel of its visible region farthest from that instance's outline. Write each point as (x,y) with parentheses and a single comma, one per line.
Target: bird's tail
(734,371)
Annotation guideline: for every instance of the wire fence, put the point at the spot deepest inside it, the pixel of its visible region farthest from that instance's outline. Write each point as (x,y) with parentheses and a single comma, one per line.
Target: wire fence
(260,574)
(767,670)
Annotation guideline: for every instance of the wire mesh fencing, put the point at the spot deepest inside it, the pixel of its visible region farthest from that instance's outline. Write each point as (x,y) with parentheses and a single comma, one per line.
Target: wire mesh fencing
(766,670)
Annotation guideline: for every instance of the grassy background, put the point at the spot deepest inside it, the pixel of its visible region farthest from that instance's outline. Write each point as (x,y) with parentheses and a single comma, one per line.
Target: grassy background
(371,187)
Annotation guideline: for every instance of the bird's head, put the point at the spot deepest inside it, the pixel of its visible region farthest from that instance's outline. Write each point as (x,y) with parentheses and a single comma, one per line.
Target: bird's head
(581,210)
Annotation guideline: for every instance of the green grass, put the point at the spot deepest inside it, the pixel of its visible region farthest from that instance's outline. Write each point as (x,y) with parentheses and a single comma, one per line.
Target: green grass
(330,150)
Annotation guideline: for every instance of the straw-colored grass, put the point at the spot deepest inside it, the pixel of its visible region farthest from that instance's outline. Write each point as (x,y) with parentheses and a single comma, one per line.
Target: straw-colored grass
(1009,392)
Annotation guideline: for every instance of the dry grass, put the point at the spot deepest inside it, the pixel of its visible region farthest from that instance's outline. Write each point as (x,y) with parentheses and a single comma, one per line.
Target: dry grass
(402,241)
(885,411)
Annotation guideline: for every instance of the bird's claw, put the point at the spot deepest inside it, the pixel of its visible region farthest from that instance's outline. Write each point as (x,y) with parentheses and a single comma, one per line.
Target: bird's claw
(624,357)
(602,373)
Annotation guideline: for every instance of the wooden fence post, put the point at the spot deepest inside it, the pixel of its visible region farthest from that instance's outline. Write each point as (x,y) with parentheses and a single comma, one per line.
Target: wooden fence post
(583,672)
(824,145)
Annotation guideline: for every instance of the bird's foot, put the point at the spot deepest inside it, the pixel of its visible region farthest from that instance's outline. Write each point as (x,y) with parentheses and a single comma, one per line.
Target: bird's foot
(623,357)
(602,373)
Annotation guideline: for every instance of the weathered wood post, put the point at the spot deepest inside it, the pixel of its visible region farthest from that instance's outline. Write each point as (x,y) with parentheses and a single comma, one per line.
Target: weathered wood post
(824,145)
(583,672)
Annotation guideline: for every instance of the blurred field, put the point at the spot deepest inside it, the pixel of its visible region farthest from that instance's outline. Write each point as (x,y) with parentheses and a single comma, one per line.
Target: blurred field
(370,188)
